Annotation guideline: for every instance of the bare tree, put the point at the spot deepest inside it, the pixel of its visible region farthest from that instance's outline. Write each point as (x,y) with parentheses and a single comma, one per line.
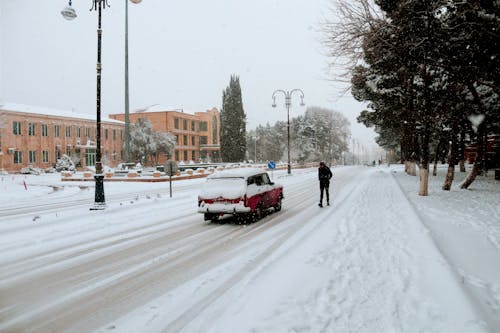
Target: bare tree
(343,35)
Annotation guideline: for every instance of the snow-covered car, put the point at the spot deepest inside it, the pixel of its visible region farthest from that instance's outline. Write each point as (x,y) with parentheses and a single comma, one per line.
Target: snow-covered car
(30,170)
(126,167)
(240,192)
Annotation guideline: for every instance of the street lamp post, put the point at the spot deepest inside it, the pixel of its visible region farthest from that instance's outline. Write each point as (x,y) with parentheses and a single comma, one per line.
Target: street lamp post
(127,100)
(69,14)
(255,149)
(127,107)
(288,104)
(353,151)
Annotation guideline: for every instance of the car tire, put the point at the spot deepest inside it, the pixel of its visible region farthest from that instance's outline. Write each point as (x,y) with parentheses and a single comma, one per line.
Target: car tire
(257,215)
(277,207)
(211,217)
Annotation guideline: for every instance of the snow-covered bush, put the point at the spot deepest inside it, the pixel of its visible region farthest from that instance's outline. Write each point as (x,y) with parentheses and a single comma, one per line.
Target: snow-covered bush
(65,164)
(49,170)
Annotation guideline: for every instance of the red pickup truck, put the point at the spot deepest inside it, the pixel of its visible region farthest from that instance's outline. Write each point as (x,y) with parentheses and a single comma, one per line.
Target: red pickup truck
(240,192)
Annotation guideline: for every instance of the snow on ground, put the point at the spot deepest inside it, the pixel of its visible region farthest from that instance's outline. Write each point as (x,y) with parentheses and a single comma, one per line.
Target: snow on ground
(380,259)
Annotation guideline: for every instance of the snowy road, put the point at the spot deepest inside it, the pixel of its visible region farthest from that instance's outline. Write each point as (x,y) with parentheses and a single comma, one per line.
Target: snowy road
(150,264)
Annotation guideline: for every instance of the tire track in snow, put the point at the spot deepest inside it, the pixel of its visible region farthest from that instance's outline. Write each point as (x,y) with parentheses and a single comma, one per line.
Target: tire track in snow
(256,244)
(72,291)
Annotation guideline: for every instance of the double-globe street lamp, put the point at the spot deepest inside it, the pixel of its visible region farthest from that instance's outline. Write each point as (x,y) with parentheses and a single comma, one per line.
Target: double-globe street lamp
(288,104)
(69,14)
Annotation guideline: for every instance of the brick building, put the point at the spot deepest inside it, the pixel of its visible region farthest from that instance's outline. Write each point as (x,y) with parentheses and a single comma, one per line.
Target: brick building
(492,152)
(38,137)
(197,135)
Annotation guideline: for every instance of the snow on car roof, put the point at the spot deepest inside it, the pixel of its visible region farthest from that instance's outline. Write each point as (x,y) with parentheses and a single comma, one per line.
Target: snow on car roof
(237,173)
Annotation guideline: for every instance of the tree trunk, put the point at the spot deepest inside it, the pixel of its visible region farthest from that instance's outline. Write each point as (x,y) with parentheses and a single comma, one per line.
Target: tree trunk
(478,163)
(425,156)
(481,133)
(424,180)
(424,175)
(411,168)
(449,177)
(476,169)
(436,156)
(462,165)
(462,150)
(453,155)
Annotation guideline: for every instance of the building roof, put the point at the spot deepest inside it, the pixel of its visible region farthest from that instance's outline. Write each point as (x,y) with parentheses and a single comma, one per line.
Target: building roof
(13,107)
(162,108)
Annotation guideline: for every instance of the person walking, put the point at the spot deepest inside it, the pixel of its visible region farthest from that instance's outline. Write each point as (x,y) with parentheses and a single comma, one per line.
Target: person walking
(324,176)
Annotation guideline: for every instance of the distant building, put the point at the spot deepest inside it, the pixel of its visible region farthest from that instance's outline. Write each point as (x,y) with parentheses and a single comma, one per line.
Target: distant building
(39,136)
(492,152)
(197,135)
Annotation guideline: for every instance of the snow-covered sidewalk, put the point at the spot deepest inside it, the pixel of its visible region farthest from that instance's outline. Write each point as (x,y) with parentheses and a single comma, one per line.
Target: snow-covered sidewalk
(465,226)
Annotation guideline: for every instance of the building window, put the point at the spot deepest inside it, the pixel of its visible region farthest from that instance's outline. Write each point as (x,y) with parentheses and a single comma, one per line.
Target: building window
(16,128)
(87,132)
(203,126)
(185,140)
(18,157)
(185,124)
(114,134)
(31,129)
(78,132)
(68,131)
(121,135)
(45,130)
(203,155)
(177,140)
(68,150)
(193,155)
(176,155)
(193,126)
(32,156)
(193,141)
(176,123)
(90,157)
(185,155)
(203,140)
(45,156)
(58,154)
(106,134)
(57,130)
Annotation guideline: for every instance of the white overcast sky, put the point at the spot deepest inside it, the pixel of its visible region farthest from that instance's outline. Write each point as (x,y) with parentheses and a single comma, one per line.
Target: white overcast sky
(181,55)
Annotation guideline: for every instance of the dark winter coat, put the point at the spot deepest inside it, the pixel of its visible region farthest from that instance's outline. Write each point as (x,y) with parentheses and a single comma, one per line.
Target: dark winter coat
(324,174)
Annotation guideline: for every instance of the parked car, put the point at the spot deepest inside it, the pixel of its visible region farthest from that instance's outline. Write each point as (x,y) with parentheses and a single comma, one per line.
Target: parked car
(30,170)
(126,167)
(240,192)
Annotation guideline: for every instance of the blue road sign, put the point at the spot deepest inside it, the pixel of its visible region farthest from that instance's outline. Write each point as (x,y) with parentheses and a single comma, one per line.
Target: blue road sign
(271,165)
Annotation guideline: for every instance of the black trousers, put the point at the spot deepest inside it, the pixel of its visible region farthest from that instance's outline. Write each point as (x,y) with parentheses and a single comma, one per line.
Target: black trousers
(324,185)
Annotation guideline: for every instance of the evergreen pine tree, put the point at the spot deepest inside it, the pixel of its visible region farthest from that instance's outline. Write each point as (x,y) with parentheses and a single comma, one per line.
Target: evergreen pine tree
(233,123)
